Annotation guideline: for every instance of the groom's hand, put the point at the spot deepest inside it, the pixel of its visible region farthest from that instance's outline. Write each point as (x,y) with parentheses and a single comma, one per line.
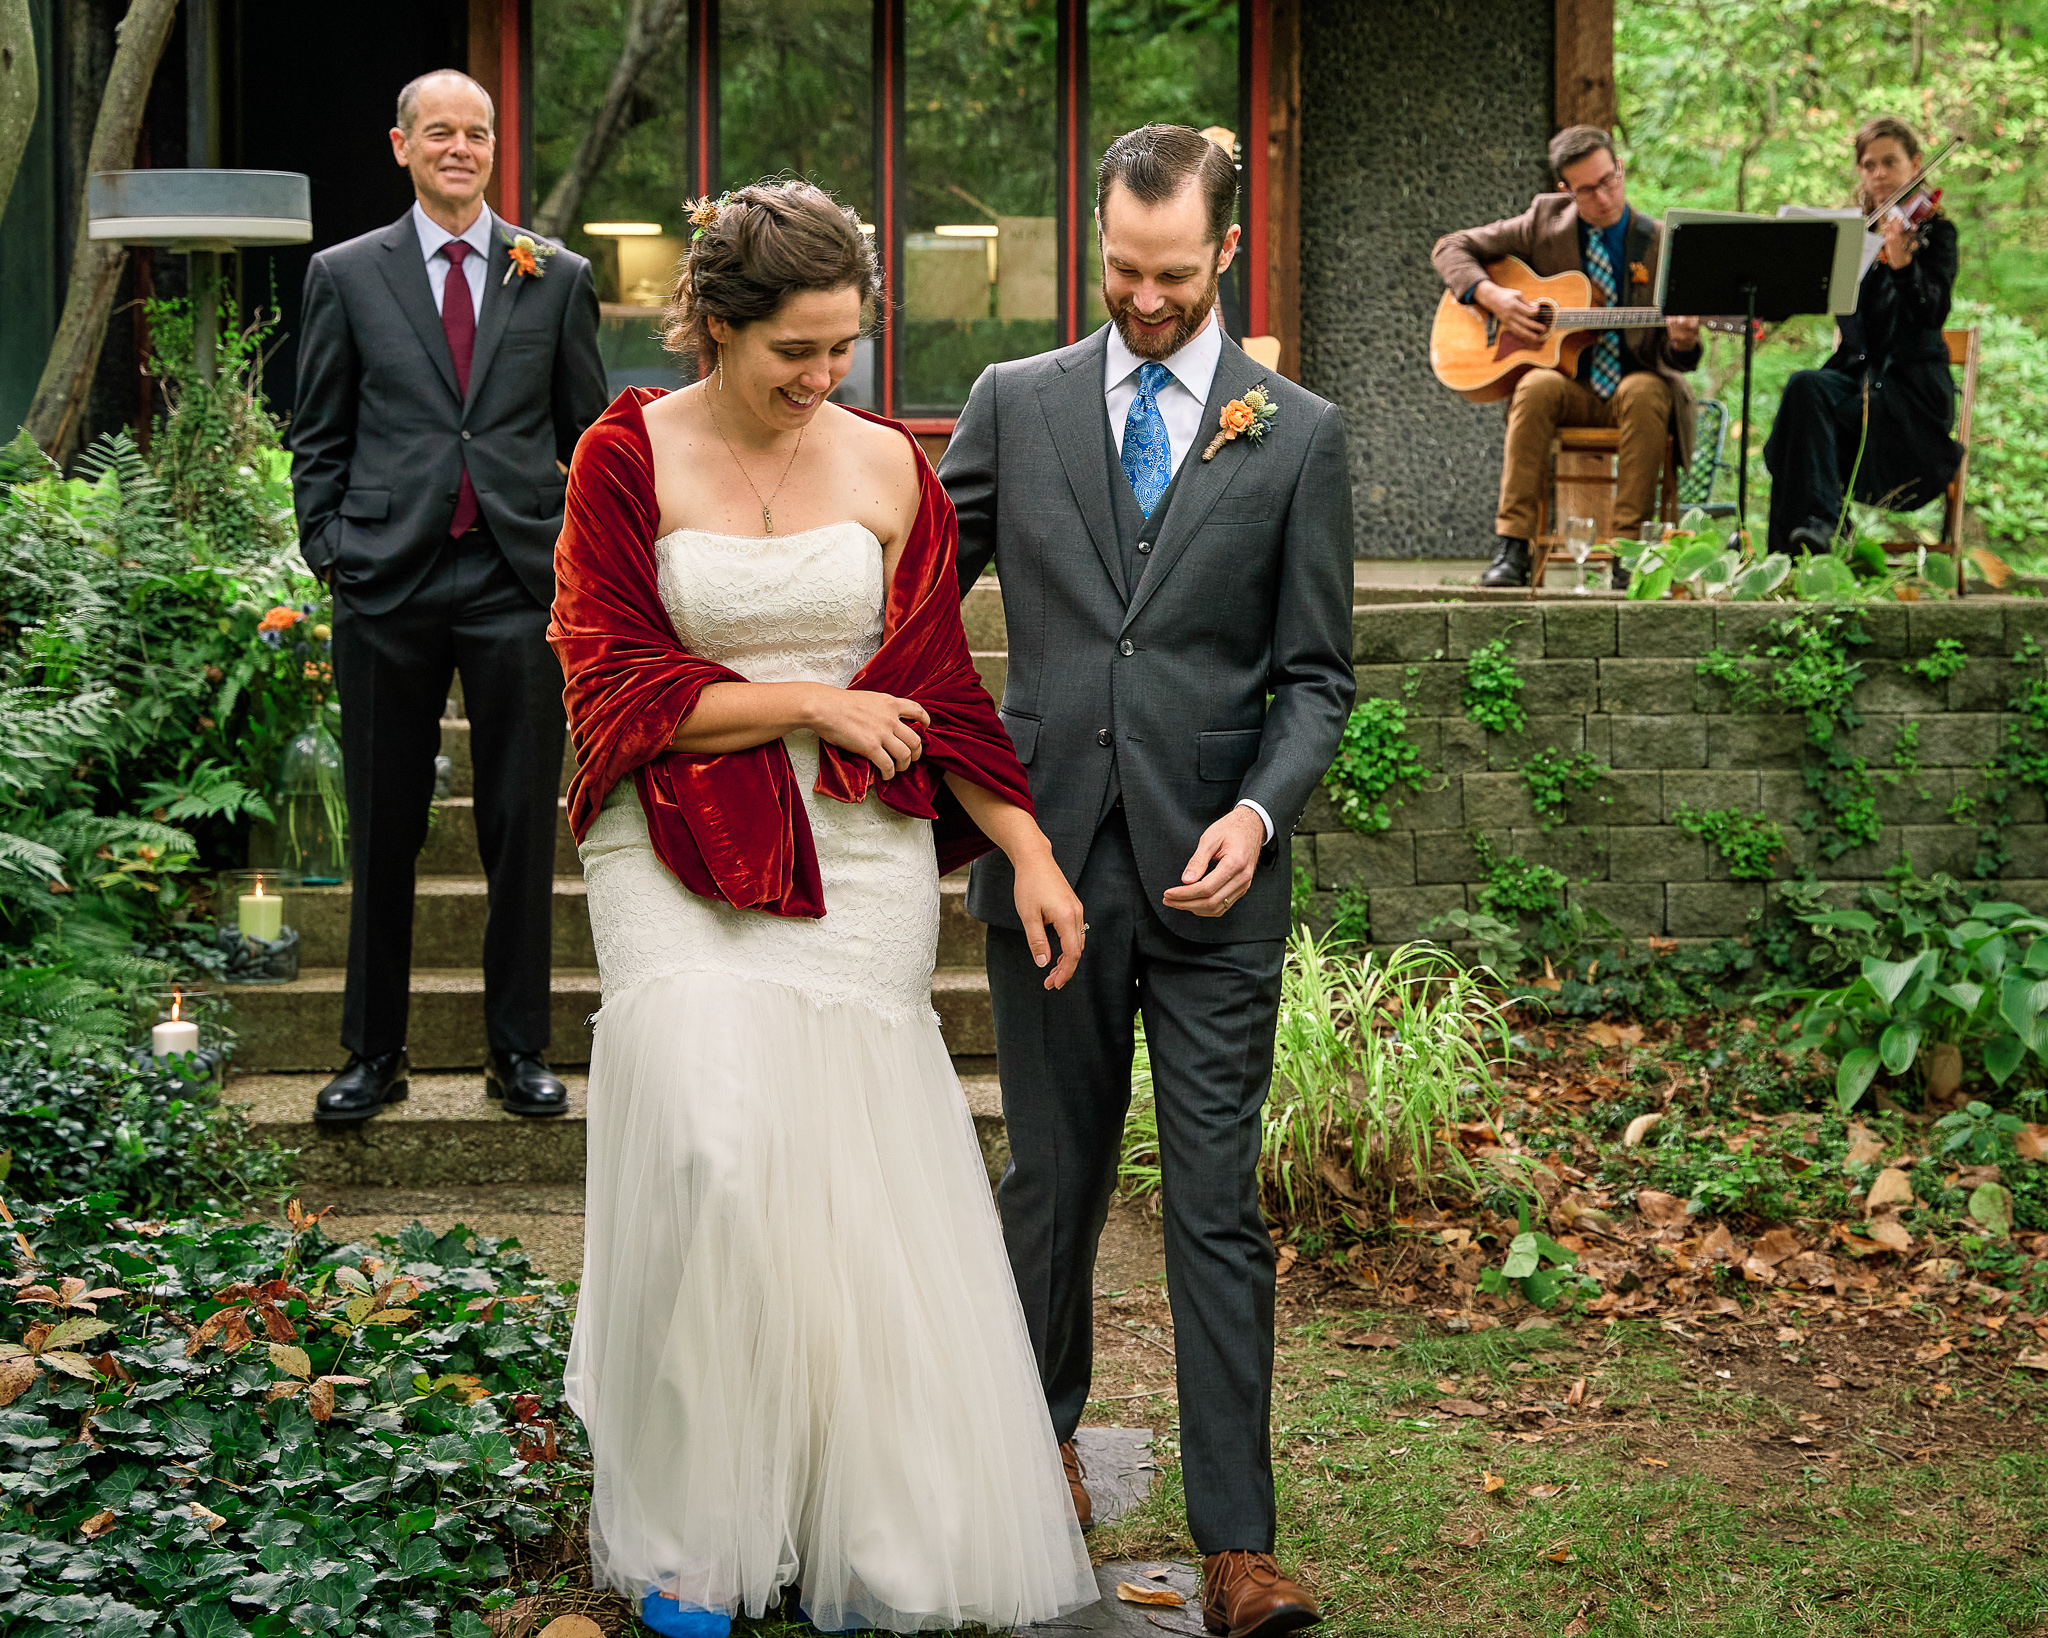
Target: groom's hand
(1222,866)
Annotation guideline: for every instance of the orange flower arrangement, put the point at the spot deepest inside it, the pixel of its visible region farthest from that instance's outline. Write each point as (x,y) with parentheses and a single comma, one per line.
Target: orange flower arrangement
(1243,417)
(1638,272)
(528,256)
(280,618)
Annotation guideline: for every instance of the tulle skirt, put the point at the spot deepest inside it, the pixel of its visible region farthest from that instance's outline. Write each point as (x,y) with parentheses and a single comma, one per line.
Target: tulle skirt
(799,1351)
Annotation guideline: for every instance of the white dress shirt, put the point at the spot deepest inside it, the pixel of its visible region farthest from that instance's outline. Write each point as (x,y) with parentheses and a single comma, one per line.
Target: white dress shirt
(1181,400)
(433,236)
(1181,404)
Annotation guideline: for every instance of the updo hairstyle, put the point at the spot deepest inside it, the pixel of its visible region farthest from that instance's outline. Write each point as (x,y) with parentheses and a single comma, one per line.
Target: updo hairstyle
(755,248)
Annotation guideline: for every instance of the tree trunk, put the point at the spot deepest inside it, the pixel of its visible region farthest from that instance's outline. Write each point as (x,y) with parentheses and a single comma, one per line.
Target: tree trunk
(56,417)
(648,28)
(17,89)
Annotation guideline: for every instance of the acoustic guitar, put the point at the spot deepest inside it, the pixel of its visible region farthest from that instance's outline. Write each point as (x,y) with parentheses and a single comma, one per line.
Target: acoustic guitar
(1475,356)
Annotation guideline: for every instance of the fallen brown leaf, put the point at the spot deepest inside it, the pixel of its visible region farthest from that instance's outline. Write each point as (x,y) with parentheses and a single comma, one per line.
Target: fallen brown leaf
(1890,1233)
(1371,1339)
(1577,1396)
(1490,1482)
(1561,1553)
(1462,1407)
(1892,1188)
(1543,1492)
(2032,1359)
(1285,1265)
(1660,1208)
(98,1525)
(1165,1597)
(1638,1129)
(571,1626)
(1654,1461)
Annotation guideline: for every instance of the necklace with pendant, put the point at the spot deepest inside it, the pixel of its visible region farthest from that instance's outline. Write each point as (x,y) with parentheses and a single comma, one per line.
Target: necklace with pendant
(767,516)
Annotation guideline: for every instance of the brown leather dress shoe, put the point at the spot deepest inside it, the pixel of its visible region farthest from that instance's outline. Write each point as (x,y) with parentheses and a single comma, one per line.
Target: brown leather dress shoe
(1070,1459)
(1244,1595)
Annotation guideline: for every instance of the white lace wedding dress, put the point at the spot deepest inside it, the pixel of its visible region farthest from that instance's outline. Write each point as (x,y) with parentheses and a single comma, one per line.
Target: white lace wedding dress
(798,1350)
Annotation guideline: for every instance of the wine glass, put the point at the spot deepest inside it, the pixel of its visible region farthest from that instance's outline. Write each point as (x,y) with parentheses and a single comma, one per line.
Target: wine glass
(1578,540)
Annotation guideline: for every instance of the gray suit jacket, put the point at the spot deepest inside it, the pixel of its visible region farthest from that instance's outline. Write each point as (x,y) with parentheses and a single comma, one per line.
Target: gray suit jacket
(380,435)
(1225,673)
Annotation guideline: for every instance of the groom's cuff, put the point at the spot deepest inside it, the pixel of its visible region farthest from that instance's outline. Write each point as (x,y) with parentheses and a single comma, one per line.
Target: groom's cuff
(1265,818)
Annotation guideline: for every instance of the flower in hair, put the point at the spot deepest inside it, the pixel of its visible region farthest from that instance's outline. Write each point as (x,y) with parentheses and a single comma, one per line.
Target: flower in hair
(704,213)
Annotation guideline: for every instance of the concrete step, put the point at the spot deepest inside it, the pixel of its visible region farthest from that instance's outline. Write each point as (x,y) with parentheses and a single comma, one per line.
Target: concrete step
(981,612)
(297,1026)
(546,1219)
(462,780)
(448,1136)
(448,924)
(451,848)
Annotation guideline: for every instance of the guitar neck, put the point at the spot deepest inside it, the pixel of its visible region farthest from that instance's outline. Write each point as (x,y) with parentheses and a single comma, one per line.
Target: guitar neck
(1608,318)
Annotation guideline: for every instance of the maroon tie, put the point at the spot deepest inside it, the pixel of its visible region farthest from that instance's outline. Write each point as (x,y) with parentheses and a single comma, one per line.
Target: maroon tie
(458,320)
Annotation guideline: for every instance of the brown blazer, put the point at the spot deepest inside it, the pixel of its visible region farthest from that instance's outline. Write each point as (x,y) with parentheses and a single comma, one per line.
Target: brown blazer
(1546,236)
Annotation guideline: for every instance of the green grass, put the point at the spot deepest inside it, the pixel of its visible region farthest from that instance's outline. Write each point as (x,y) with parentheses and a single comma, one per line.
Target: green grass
(1383,1506)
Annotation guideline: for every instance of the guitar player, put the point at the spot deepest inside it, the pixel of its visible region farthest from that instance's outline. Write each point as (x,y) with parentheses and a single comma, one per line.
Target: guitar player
(1631,379)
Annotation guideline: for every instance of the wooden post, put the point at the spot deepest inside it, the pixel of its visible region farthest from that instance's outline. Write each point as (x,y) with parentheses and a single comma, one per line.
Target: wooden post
(1283,182)
(1585,64)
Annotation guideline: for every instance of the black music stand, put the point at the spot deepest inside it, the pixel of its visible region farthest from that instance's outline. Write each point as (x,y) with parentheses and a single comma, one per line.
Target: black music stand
(1763,267)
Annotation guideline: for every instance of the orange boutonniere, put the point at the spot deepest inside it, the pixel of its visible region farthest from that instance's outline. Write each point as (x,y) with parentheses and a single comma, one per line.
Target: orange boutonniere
(529,256)
(1638,272)
(1247,416)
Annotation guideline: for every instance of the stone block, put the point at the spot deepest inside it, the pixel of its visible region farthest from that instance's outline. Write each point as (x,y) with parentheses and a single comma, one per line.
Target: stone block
(1711,788)
(1426,734)
(1347,859)
(1982,685)
(1580,851)
(1630,797)
(1658,742)
(2029,845)
(1958,740)
(1755,742)
(1977,623)
(1806,851)
(1875,738)
(1472,624)
(1739,627)
(1599,741)
(1427,688)
(2022,806)
(1710,909)
(1396,635)
(2032,894)
(1886,687)
(1659,687)
(1552,688)
(1664,630)
(1438,805)
(1462,746)
(1636,908)
(1716,697)
(1400,913)
(1449,856)
(1782,795)
(1884,625)
(1717,863)
(2025,617)
(1497,801)
(1951,848)
(1319,814)
(1921,799)
(1510,751)
(1301,852)
(1654,853)
(1571,632)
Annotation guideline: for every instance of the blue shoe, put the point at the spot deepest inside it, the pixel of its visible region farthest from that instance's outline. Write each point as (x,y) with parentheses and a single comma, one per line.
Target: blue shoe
(665,1615)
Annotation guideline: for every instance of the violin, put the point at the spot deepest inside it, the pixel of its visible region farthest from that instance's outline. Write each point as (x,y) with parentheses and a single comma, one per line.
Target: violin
(1914,212)
(1913,204)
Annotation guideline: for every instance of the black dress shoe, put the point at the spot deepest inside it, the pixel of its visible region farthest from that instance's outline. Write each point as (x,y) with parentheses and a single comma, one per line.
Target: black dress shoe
(363,1088)
(1815,539)
(1510,565)
(525,1084)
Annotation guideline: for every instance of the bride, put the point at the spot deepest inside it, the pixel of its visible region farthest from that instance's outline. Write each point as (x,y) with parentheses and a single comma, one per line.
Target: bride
(798,1351)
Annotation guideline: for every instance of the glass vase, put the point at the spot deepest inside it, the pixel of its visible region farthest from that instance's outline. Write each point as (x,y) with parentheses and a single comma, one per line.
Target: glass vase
(312,809)
(256,917)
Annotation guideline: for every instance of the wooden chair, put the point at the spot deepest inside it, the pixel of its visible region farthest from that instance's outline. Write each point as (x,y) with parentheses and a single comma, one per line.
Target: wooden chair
(1962,354)
(1582,475)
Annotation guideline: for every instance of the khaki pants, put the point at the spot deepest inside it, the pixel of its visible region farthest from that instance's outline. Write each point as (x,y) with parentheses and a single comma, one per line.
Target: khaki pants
(1544,401)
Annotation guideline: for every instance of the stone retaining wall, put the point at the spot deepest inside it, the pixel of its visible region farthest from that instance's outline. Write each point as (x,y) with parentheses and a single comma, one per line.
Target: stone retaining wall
(1622,682)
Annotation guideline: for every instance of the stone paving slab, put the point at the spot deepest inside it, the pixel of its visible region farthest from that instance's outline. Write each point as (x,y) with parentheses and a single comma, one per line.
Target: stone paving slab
(1119,1468)
(1112,1614)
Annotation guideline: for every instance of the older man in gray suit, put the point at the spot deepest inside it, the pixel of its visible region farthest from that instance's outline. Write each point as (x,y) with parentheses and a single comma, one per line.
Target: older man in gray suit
(447,365)
(1179,607)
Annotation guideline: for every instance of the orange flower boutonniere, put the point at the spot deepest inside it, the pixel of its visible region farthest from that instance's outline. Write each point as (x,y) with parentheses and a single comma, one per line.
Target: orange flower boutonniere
(1639,273)
(529,256)
(1248,416)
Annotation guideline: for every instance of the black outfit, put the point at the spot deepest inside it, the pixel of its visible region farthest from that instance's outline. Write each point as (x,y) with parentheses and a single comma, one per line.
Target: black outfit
(1893,344)
(381,436)
(1160,671)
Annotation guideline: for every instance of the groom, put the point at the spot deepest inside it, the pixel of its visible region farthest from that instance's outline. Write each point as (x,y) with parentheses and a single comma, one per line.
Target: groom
(1179,612)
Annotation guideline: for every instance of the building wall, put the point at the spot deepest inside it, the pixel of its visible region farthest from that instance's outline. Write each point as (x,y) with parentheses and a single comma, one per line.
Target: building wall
(1622,683)
(1417,117)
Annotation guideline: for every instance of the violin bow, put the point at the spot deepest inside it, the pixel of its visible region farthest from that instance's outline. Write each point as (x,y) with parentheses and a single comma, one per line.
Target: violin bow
(1870,222)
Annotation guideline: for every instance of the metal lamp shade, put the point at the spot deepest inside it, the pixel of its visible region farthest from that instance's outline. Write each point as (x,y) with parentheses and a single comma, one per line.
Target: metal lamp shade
(200,210)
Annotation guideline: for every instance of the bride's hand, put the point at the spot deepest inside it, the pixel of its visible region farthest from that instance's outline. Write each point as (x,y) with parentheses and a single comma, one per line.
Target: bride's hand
(1044,899)
(876,726)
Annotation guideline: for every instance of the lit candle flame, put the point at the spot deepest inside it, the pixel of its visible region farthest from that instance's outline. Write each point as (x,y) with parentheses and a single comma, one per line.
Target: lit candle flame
(176,998)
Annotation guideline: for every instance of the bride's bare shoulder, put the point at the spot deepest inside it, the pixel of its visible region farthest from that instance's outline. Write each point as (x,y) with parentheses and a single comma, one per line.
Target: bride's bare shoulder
(879,449)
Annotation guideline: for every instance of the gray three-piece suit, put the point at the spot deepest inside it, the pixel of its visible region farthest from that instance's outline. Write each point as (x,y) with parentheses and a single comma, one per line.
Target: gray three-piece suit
(1159,671)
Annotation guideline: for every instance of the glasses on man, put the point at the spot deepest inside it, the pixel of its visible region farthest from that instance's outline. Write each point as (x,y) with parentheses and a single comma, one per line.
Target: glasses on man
(1593,190)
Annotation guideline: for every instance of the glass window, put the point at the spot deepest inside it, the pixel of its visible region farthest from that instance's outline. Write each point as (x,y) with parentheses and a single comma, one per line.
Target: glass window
(634,196)
(1171,62)
(980,247)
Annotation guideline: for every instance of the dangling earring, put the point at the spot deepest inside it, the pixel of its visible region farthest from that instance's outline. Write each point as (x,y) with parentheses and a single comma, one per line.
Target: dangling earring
(721,369)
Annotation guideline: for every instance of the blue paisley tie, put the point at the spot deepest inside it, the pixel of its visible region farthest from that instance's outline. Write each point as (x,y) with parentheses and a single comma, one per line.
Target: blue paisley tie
(1148,462)
(1606,370)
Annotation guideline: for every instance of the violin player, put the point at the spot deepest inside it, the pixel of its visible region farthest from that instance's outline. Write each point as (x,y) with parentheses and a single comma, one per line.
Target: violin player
(1891,360)
(1631,379)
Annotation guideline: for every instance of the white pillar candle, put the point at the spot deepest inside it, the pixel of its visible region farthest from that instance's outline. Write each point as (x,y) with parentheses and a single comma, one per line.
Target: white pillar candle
(261,915)
(175,1035)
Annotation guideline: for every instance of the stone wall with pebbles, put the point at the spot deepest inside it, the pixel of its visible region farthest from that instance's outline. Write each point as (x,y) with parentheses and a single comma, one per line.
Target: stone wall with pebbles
(1621,682)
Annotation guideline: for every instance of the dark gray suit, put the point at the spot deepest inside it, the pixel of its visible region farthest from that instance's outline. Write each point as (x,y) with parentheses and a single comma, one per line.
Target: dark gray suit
(1157,674)
(380,437)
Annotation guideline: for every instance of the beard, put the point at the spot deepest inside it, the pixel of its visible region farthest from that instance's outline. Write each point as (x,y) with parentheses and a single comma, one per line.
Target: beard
(1188,318)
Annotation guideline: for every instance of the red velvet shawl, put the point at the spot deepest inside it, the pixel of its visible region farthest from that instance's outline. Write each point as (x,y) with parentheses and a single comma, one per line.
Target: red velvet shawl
(732,826)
